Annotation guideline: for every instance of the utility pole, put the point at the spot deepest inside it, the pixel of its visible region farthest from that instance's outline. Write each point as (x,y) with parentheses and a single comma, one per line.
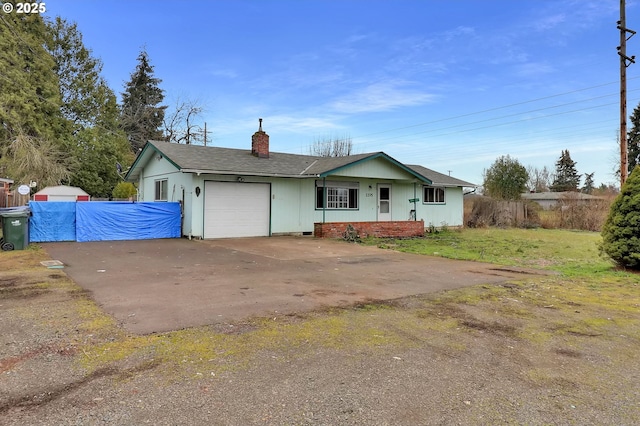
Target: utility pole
(625,61)
(205,133)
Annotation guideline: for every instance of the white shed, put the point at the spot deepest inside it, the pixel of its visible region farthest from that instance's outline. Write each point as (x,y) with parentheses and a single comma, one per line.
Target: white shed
(61,193)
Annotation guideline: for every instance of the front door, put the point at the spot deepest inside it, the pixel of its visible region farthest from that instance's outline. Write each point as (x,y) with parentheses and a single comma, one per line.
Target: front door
(384,202)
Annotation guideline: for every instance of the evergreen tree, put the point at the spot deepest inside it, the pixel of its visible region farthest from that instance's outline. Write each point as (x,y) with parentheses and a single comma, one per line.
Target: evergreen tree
(633,140)
(621,230)
(566,177)
(29,95)
(31,125)
(96,143)
(588,188)
(142,112)
(31,158)
(506,179)
(83,91)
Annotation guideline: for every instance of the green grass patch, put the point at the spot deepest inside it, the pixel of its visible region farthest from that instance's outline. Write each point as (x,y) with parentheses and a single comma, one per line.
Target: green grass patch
(570,252)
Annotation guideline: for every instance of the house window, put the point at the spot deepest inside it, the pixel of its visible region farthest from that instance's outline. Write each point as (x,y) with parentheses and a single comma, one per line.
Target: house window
(161,190)
(433,195)
(339,195)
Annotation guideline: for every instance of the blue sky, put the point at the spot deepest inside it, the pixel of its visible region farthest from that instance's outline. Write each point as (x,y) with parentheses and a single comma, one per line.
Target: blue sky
(449,84)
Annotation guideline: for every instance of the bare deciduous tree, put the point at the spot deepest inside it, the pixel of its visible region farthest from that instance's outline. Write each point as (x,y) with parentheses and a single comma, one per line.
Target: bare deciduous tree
(539,179)
(332,147)
(180,125)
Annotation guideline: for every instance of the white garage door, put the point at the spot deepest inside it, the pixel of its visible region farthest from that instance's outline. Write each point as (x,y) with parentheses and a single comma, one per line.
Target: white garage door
(236,209)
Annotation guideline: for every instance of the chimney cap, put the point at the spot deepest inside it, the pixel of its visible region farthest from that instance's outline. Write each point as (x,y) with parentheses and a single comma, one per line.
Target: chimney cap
(260,124)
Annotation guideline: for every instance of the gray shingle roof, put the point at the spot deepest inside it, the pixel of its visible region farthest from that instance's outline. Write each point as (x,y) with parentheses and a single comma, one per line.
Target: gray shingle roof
(216,160)
(209,159)
(440,179)
(554,196)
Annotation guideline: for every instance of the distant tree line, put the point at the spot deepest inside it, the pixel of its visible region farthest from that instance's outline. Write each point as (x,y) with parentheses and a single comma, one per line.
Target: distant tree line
(564,178)
(507,179)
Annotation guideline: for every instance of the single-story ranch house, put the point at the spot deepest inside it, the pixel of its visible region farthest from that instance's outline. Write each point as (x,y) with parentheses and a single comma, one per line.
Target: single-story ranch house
(239,193)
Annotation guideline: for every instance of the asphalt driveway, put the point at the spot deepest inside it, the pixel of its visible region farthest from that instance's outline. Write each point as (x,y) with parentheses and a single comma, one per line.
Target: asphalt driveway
(162,285)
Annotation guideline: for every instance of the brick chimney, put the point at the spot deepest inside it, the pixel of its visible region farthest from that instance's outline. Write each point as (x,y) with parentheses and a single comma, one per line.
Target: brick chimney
(260,143)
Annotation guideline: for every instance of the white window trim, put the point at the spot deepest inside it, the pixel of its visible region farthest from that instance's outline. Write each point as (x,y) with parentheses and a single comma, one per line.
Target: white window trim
(340,192)
(159,190)
(435,190)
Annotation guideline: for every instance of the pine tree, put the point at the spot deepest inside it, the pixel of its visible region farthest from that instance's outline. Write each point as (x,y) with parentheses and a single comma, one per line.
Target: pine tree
(566,177)
(621,229)
(142,113)
(95,142)
(29,94)
(587,188)
(633,140)
(32,128)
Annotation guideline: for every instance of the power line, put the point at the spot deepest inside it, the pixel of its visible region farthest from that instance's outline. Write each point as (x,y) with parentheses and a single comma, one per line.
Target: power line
(496,108)
(500,118)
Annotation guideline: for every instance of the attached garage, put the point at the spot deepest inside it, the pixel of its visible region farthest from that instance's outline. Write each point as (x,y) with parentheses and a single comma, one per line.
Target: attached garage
(236,209)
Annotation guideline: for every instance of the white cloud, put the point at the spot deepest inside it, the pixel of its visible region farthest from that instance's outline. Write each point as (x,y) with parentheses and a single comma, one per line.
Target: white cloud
(533,69)
(303,124)
(456,33)
(549,22)
(382,96)
(222,72)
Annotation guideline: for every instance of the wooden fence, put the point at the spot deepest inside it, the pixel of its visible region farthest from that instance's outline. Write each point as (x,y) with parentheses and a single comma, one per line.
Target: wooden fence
(489,212)
(12,198)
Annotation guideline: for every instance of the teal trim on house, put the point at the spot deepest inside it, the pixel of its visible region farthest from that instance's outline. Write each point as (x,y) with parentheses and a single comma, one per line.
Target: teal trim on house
(374,156)
(143,156)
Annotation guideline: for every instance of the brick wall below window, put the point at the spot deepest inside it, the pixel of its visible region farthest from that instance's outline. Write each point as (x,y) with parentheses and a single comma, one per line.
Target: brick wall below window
(405,228)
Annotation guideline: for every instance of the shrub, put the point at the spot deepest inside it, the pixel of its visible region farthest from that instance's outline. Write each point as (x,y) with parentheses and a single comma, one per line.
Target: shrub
(621,230)
(501,213)
(351,234)
(124,190)
(574,213)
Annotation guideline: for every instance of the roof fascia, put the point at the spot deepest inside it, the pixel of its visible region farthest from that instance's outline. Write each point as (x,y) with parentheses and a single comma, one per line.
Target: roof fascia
(237,172)
(148,146)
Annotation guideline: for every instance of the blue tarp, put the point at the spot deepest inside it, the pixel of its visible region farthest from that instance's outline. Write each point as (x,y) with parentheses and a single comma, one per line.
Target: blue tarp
(111,221)
(52,221)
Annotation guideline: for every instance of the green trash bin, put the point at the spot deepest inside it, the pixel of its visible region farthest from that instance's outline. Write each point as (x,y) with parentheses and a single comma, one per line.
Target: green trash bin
(15,230)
